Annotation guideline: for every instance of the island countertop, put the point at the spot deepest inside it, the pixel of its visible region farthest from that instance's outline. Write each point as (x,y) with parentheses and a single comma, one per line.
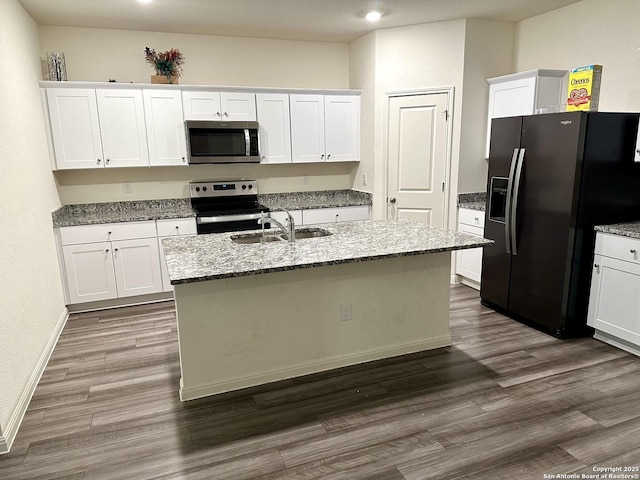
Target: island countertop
(215,256)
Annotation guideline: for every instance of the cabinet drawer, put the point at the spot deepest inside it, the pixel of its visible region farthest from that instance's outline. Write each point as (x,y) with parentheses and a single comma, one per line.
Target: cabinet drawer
(338,214)
(176,226)
(616,246)
(107,232)
(468,216)
(470,229)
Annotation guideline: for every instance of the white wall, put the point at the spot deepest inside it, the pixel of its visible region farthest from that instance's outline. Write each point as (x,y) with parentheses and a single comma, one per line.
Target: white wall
(406,58)
(488,52)
(31,302)
(585,33)
(209,60)
(93,54)
(362,75)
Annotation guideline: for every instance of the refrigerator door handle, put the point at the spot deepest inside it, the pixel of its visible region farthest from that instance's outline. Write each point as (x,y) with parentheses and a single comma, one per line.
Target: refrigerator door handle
(514,210)
(507,213)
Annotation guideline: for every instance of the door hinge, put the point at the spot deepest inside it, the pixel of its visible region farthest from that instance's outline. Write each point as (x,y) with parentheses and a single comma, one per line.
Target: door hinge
(442,187)
(446,115)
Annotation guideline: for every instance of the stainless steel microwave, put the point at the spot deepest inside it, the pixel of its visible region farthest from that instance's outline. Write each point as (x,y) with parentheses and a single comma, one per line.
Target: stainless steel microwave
(222,142)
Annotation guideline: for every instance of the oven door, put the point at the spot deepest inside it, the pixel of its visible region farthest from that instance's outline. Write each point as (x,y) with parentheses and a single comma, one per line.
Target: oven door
(222,142)
(228,223)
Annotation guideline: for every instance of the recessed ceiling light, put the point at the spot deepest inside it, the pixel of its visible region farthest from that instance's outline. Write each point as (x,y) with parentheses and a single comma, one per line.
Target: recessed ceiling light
(145,1)
(373,16)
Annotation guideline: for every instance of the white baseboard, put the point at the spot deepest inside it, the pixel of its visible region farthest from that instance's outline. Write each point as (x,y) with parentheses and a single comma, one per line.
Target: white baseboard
(8,436)
(230,384)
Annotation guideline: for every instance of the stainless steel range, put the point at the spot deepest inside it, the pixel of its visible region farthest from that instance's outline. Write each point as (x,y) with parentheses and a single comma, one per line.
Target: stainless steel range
(226,206)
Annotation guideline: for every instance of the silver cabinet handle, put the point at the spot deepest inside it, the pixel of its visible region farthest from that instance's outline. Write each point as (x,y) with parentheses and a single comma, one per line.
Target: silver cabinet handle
(392,200)
(597,267)
(226,114)
(108,160)
(633,250)
(218,114)
(183,159)
(322,156)
(328,156)
(98,160)
(107,250)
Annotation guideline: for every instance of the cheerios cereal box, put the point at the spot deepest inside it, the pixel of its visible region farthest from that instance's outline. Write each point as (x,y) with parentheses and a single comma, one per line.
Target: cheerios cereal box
(584,88)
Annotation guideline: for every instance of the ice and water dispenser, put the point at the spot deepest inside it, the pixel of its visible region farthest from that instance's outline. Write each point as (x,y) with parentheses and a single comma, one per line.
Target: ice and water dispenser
(498,199)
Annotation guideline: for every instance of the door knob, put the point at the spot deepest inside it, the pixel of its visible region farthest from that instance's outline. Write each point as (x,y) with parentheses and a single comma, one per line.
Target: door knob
(392,200)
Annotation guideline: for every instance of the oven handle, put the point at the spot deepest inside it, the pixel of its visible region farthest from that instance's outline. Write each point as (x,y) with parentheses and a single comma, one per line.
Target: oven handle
(229,218)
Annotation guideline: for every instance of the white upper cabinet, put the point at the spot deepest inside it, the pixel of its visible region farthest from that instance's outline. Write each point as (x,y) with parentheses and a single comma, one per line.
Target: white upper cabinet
(97,128)
(524,93)
(165,127)
(219,106)
(124,136)
(325,128)
(75,129)
(307,128)
(275,127)
(342,127)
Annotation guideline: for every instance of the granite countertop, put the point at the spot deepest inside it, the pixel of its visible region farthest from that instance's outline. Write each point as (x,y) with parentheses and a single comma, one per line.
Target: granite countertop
(134,211)
(216,256)
(472,201)
(623,229)
(321,199)
(115,212)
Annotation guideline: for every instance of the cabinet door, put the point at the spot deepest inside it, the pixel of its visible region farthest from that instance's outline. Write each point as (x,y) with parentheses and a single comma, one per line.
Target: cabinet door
(75,129)
(335,215)
(307,128)
(275,128)
(342,127)
(124,136)
(89,271)
(238,106)
(614,304)
(201,106)
(137,266)
(469,261)
(165,127)
(172,228)
(510,99)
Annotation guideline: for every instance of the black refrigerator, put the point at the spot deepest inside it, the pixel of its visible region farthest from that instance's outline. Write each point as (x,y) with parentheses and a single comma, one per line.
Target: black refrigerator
(551,179)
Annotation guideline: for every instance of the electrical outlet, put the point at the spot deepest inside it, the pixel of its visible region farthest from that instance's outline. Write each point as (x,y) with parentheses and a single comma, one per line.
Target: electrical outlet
(365,179)
(305,179)
(345,312)
(126,187)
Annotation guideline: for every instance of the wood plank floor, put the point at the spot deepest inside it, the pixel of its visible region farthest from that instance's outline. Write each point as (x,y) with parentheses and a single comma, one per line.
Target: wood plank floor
(504,402)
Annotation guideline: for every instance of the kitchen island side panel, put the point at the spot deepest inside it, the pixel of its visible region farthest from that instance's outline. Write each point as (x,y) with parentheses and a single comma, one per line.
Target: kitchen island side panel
(239,332)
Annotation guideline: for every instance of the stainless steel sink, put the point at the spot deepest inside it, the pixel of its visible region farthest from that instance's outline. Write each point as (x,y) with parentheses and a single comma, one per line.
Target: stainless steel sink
(311,233)
(301,234)
(255,238)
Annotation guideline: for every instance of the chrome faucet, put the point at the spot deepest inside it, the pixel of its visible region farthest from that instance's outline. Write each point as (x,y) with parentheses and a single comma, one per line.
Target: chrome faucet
(288,229)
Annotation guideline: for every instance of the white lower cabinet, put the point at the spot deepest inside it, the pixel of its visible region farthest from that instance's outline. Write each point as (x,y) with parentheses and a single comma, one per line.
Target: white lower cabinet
(103,262)
(172,228)
(335,215)
(137,267)
(469,261)
(89,271)
(614,303)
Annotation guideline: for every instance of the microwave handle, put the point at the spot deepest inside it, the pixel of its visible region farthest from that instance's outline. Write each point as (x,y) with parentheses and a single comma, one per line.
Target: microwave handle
(247,142)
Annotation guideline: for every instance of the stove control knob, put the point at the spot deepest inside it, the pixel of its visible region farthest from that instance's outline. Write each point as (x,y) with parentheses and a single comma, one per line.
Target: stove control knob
(204,189)
(197,189)
(250,187)
(244,187)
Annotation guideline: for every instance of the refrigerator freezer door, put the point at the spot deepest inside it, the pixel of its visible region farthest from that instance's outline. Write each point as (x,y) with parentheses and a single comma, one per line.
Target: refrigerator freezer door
(540,272)
(496,262)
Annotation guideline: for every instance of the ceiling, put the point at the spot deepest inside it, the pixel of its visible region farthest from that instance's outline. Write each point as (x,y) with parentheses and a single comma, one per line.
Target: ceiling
(312,20)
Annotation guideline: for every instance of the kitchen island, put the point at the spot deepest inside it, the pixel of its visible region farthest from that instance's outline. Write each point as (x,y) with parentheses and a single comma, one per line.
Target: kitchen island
(255,313)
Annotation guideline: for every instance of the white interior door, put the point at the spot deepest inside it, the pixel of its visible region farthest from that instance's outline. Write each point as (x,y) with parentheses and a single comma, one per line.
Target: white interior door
(417,156)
